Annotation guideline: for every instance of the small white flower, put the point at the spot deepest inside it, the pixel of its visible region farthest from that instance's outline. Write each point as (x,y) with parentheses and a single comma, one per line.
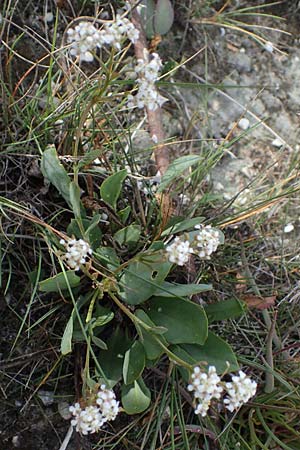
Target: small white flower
(85,38)
(90,419)
(206,241)
(179,251)
(206,386)
(239,391)
(147,71)
(106,400)
(87,420)
(77,251)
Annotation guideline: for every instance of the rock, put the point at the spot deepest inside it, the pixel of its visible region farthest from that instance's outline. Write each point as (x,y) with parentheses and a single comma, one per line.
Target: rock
(244,124)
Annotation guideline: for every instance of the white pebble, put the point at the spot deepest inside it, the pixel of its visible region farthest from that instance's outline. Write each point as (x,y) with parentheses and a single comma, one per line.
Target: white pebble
(48,17)
(244,124)
(269,47)
(288,228)
(277,142)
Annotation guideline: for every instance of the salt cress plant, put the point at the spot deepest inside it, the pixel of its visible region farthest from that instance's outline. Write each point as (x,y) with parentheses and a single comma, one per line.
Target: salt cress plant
(116,266)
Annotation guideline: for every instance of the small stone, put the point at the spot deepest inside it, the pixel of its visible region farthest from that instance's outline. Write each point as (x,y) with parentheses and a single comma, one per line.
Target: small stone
(63,409)
(244,123)
(269,47)
(288,228)
(47,397)
(48,17)
(277,143)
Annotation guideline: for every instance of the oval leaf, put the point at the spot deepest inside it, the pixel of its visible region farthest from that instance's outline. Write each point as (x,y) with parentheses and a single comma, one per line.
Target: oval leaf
(60,282)
(136,397)
(141,279)
(129,235)
(167,289)
(216,352)
(111,187)
(176,168)
(150,343)
(147,16)
(163,17)
(186,321)
(55,172)
(227,309)
(66,341)
(134,363)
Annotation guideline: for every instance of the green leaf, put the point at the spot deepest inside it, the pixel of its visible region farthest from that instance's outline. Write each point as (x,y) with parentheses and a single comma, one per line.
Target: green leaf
(54,171)
(124,214)
(102,320)
(60,282)
(112,359)
(75,199)
(167,289)
(227,309)
(176,168)
(66,341)
(215,351)
(147,16)
(93,233)
(186,321)
(129,235)
(89,158)
(163,17)
(140,279)
(183,225)
(108,257)
(134,363)
(136,397)
(111,187)
(99,343)
(150,343)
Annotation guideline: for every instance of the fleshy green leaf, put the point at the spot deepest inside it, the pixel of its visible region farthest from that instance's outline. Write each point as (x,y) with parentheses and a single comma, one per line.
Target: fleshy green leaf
(99,343)
(167,289)
(74,192)
(124,214)
(111,187)
(163,17)
(66,341)
(134,363)
(54,171)
(92,231)
(129,235)
(176,168)
(107,257)
(150,343)
(186,321)
(147,16)
(140,279)
(111,360)
(60,282)
(183,225)
(227,309)
(136,397)
(215,351)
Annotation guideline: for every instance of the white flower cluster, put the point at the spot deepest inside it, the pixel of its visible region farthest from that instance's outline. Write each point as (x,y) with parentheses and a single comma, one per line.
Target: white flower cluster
(208,386)
(239,390)
(90,419)
(205,387)
(147,70)
(204,244)
(77,251)
(206,241)
(179,251)
(106,400)
(85,38)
